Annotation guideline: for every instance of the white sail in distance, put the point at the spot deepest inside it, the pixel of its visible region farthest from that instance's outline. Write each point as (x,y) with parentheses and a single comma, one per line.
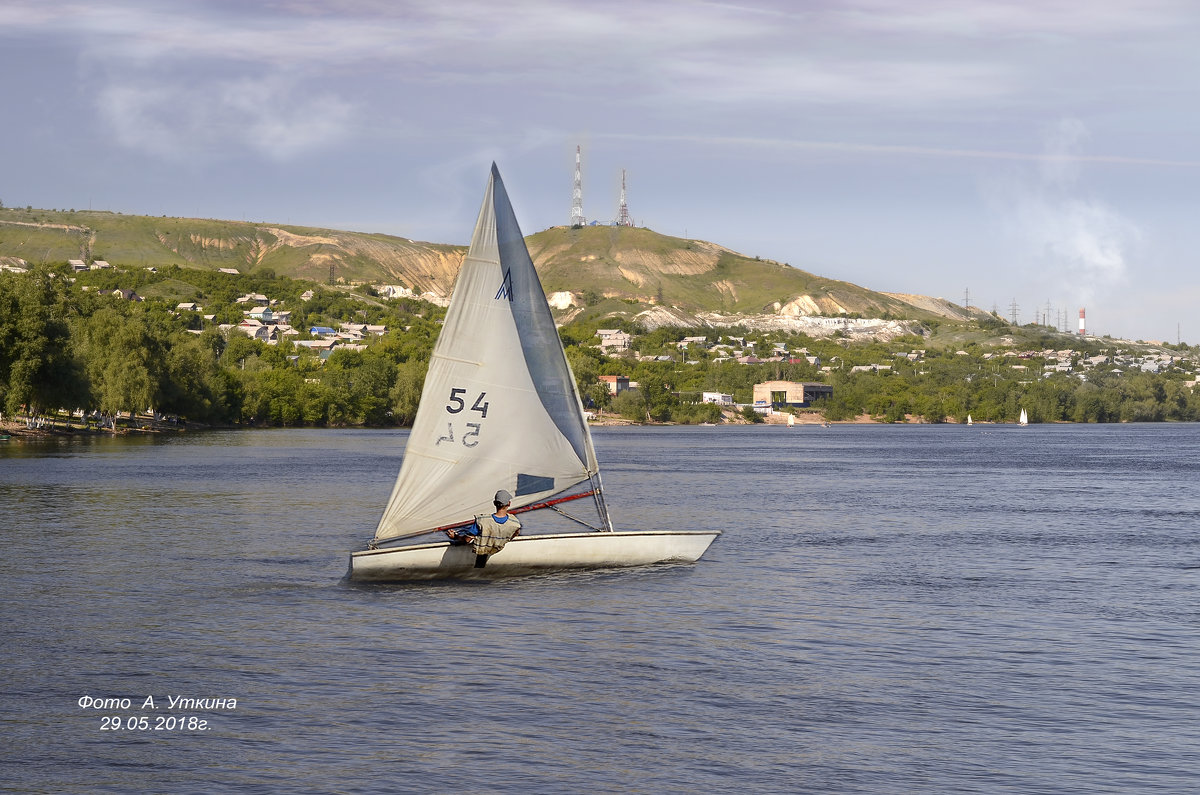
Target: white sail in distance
(499,409)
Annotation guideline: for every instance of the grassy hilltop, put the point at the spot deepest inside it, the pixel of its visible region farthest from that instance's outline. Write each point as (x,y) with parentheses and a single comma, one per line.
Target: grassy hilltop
(640,264)
(49,236)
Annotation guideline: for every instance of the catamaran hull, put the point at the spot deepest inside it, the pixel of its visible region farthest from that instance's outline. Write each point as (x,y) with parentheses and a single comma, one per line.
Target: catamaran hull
(530,555)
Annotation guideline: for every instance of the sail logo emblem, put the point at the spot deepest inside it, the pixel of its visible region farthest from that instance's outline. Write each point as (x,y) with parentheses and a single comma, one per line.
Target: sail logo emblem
(506,288)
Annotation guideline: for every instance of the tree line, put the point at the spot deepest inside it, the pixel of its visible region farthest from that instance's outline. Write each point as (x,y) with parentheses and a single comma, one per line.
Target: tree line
(62,347)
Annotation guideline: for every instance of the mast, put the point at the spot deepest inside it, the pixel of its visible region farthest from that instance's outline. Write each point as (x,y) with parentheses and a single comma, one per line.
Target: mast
(577,218)
(623,209)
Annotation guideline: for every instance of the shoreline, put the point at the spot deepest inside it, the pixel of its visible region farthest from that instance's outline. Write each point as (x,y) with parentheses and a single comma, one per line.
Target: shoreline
(18,431)
(57,428)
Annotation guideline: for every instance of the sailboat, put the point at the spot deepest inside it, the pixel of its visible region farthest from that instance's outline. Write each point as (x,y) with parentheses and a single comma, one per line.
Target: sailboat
(969,420)
(1024,418)
(500,411)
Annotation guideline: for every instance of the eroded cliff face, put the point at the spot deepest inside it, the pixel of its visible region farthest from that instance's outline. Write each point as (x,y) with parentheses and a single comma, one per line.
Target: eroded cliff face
(854,328)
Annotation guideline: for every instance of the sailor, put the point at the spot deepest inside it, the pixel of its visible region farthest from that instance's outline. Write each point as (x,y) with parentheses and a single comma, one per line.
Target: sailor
(489,533)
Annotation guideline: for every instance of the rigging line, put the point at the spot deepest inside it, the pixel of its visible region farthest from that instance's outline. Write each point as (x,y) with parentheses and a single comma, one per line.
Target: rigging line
(601,505)
(577,520)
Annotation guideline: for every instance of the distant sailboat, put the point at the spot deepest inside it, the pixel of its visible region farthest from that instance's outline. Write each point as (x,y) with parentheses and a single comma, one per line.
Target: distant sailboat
(1024,418)
(500,410)
(791,420)
(969,420)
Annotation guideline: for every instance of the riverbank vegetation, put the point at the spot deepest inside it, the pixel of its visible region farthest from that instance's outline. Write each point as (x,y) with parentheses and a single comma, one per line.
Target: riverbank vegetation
(77,342)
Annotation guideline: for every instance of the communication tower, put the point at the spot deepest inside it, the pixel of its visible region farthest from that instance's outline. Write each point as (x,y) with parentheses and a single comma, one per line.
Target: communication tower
(623,209)
(577,218)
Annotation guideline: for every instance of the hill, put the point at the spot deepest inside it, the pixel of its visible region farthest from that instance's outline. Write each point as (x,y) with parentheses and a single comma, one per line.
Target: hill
(604,268)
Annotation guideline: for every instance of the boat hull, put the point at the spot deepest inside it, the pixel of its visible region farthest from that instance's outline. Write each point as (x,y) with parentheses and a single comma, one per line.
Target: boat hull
(530,555)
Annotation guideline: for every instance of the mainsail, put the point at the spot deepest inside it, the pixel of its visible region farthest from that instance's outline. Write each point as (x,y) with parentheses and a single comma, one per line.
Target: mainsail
(499,409)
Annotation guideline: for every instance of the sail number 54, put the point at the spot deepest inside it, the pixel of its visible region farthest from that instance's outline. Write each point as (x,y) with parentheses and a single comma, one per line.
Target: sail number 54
(458,404)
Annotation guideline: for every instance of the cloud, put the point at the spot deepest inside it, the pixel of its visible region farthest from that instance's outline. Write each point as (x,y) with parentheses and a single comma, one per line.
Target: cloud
(1014,18)
(274,116)
(1068,240)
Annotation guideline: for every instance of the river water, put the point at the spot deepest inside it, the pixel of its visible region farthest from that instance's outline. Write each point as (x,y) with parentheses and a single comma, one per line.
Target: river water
(889,609)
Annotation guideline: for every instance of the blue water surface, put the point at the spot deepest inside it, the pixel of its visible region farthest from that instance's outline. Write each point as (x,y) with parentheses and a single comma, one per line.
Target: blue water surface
(889,609)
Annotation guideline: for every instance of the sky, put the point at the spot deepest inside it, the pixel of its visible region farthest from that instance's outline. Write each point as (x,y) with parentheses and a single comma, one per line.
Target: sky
(1033,157)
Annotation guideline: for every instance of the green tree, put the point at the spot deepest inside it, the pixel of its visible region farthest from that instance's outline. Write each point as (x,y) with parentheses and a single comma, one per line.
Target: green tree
(124,361)
(405,394)
(38,369)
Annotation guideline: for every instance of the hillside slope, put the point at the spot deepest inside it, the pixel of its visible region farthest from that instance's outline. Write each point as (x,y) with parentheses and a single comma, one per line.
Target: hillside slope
(592,263)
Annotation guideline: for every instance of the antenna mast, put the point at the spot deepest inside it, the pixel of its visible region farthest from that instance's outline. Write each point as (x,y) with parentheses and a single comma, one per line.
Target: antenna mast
(623,210)
(577,218)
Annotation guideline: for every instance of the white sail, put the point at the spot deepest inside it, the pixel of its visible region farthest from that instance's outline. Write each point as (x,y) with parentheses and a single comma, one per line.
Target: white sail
(969,420)
(499,409)
(1024,418)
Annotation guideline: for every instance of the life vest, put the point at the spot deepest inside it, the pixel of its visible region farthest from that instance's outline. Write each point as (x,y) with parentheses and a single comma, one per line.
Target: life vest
(493,535)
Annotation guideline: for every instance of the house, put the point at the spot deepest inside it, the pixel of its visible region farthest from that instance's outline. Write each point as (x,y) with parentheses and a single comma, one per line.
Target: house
(789,393)
(189,306)
(128,295)
(307,295)
(616,383)
(614,340)
(100,265)
(360,330)
(77,265)
(254,298)
(233,271)
(262,314)
(719,398)
(257,331)
(322,331)
(316,345)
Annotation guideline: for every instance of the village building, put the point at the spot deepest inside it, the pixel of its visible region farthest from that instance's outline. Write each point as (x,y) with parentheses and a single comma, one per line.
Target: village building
(799,394)
(316,345)
(262,314)
(614,340)
(616,383)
